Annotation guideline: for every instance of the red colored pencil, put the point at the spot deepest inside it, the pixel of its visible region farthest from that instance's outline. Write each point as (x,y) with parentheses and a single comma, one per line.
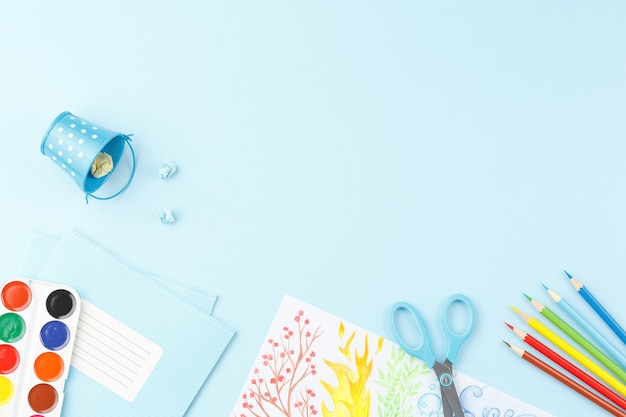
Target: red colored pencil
(570,367)
(587,393)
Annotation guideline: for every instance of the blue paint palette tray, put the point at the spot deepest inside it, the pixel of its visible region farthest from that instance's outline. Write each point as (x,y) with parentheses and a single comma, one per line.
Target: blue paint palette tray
(38,322)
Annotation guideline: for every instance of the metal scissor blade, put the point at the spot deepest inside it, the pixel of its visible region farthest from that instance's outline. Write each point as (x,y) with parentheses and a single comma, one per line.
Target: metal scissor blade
(447,409)
(449,396)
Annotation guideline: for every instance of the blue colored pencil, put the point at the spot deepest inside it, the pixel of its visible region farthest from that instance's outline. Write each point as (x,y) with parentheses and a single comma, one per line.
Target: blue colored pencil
(597,307)
(618,356)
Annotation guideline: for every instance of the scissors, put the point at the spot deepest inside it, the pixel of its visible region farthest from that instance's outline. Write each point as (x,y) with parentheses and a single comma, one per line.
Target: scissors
(443,370)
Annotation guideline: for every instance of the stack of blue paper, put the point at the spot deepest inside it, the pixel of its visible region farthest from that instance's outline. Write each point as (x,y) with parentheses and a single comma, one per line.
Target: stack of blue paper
(136,331)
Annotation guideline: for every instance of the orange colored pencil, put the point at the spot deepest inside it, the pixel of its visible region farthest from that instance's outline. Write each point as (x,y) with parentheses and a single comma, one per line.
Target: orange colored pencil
(585,392)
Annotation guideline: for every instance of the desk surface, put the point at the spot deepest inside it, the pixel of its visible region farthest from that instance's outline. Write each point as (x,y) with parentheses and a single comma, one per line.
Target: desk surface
(351,154)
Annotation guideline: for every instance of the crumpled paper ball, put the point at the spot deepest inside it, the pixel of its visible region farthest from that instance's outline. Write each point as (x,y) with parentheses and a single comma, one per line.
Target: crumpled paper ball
(166,216)
(166,170)
(102,165)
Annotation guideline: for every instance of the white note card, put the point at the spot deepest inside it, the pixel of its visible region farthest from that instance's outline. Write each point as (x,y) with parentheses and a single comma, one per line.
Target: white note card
(113,354)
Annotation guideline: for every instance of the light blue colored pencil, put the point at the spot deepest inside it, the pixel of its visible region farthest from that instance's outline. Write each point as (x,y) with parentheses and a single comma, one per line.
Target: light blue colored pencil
(618,356)
(597,307)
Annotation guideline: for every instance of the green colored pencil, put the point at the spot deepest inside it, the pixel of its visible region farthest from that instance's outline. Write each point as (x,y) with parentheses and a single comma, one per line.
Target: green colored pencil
(578,338)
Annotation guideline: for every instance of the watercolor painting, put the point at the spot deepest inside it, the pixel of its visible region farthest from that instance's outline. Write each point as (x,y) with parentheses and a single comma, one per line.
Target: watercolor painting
(313,363)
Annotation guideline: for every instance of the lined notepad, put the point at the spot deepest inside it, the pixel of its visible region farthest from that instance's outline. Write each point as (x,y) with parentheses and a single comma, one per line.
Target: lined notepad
(112,353)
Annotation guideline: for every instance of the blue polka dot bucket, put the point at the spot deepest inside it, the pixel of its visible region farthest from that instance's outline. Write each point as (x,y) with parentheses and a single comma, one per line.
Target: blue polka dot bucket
(77,146)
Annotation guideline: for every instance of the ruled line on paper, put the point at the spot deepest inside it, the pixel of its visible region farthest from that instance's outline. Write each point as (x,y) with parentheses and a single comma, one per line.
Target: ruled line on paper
(112,353)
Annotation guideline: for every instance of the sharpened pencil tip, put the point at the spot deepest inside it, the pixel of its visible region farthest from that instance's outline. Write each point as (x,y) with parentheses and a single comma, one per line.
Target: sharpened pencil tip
(523,315)
(510,327)
(568,274)
(528,297)
(545,287)
(555,297)
(519,352)
(514,309)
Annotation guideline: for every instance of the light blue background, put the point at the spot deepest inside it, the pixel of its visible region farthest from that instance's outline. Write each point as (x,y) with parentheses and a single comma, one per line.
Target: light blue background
(350,153)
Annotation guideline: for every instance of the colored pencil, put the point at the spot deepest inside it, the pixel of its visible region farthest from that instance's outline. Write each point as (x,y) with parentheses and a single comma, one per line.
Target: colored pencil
(590,395)
(618,356)
(593,367)
(578,338)
(569,367)
(597,307)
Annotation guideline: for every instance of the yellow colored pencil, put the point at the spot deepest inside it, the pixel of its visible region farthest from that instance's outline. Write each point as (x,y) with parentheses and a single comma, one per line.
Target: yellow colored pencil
(604,375)
(578,338)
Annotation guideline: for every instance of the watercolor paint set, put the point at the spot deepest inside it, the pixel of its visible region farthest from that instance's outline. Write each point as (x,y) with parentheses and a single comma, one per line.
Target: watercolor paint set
(38,322)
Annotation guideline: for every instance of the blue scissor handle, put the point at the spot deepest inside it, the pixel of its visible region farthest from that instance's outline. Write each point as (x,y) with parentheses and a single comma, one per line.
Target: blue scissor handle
(423,349)
(455,340)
